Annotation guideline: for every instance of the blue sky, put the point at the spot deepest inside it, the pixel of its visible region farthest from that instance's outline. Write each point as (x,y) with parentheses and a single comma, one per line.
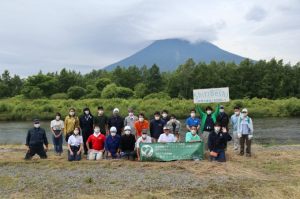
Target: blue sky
(84,35)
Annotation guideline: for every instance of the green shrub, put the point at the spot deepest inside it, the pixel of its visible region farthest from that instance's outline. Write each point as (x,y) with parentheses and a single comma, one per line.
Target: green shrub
(59,96)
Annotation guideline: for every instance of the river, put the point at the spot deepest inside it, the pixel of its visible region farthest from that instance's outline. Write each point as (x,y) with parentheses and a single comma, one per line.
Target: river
(266,131)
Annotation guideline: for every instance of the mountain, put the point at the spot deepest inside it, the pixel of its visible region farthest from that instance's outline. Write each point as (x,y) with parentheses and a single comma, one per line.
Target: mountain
(168,54)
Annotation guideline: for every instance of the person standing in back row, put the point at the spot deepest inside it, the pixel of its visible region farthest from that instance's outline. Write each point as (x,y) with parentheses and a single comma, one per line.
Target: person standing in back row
(141,125)
(234,120)
(57,127)
(71,122)
(86,122)
(245,132)
(223,118)
(117,121)
(130,120)
(101,120)
(156,126)
(208,122)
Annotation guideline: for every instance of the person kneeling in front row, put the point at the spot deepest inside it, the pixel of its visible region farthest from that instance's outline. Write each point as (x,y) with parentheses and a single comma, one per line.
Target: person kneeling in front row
(127,144)
(36,138)
(112,144)
(217,142)
(75,145)
(96,141)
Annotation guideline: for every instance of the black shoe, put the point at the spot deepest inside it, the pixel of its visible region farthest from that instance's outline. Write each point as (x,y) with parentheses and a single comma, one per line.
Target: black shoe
(241,153)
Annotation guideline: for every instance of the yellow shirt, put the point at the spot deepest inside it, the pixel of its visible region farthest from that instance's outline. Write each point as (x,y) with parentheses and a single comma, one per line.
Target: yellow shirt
(70,124)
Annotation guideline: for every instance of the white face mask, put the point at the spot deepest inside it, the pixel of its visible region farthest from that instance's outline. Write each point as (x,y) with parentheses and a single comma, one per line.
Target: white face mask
(36,125)
(127,132)
(208,112)
(87,112)
(113,134)
(244,115)
(144,136)
(141,119)
(173,120)
(157,117)
(76,132)
(193,114)
(217,129)
(165,115)
(97,130)
(130,114)
(236,113)
(57,118)
(72,113)
(100,112)
(222,110)
(193,132)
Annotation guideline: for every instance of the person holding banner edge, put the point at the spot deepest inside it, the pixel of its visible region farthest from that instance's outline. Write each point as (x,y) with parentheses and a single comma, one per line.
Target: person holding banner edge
(208,121)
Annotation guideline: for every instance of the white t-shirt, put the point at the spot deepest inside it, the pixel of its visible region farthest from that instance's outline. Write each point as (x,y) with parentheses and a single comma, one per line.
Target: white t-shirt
(75,140)
(166,138)
(57,125)
(140,140)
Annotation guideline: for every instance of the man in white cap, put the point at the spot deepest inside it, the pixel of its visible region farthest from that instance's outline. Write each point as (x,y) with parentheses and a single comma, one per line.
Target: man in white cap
(112,144)
(117,121)
(127,144)
(166,136)
(245,132)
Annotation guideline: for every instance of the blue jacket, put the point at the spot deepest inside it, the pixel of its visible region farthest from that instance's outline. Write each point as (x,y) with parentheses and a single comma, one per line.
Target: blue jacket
(112,144)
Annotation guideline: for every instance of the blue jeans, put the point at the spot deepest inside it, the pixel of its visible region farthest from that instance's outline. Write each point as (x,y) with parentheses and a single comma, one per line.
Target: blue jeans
(221,156)
(57,143)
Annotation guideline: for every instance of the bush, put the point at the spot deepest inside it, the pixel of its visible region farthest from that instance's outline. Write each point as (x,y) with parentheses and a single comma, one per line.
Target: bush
(76,92)
(59,96)
(140,90)
(102,83)
(113,91)
(160,95)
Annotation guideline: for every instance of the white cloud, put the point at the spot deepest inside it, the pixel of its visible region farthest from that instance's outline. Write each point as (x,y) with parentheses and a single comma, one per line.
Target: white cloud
(83,35)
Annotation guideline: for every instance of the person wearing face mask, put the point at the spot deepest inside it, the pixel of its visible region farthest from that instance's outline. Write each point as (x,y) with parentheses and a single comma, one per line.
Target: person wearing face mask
(101,120)
(112,144)
(117,121)
(95,144)
(166,137)
(75,143)
(223,118)
(233,121)
(127,144)
(175,126)
(193,121)
(35,141)
(208,121)
(217,142)
(86,122)
(130,120)
(57,126)
(192,136)
(141,125)
(156,126)
(245,132)
(143,139)
(71,122)
(165,117)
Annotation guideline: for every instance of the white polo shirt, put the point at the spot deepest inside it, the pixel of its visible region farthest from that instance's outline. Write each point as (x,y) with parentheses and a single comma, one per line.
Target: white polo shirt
(166,138)
(75,140)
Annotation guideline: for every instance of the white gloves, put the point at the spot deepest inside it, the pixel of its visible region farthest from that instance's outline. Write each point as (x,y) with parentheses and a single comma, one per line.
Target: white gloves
(239,135)
(250,137)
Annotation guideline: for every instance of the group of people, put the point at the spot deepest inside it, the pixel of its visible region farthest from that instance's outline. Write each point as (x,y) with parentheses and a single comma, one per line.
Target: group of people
(101,137)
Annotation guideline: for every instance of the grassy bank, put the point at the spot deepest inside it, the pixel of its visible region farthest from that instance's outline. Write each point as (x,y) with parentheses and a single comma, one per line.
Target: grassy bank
(22,109)
(272,172)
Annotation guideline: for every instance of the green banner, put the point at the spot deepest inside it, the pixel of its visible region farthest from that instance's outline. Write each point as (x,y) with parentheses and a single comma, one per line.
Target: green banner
(171,151)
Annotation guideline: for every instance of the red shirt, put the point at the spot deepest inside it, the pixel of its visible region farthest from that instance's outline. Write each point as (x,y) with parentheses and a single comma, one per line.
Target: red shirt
(97,142)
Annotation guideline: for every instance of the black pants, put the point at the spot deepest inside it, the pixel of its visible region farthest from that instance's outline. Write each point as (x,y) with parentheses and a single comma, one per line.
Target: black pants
(244,139)
(130,155)
(75,156)
(85,137)
(36,150)
(67,137)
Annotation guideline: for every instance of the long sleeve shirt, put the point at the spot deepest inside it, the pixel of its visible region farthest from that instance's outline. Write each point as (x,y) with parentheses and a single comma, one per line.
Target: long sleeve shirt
(36,137)
(112,144)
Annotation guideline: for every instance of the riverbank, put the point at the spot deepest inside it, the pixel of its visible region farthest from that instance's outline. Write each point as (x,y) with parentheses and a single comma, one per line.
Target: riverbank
(15,109)
(272,172)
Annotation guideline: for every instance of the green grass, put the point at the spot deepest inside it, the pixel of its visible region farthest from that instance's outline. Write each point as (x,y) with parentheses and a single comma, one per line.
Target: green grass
(45,109)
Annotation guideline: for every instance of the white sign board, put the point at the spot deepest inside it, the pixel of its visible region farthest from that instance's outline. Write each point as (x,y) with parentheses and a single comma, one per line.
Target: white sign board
(211,95)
